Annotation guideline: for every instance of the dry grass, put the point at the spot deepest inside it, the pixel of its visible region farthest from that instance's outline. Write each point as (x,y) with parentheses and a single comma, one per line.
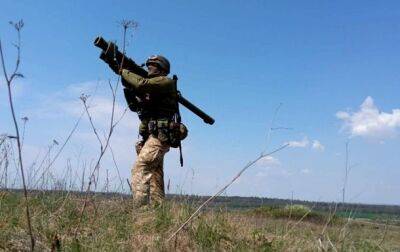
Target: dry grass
(110,224)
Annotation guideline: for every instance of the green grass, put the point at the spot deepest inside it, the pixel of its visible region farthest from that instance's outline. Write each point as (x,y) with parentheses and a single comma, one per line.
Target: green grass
(293,212)
(111,224)
(369,215)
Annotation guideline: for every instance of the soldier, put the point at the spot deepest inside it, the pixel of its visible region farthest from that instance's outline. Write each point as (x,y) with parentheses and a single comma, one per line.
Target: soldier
(156,99)
(158,105)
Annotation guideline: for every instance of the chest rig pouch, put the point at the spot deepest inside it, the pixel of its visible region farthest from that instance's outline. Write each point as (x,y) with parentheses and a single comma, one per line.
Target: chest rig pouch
(168,131)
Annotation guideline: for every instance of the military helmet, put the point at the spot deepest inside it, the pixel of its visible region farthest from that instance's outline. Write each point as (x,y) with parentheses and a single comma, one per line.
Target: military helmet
(161,61)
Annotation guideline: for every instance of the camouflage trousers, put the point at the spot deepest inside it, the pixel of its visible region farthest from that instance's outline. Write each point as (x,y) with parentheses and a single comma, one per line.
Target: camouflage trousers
(147,173)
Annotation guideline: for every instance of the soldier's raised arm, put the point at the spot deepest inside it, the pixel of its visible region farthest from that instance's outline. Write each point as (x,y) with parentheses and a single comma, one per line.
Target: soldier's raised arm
(157,84)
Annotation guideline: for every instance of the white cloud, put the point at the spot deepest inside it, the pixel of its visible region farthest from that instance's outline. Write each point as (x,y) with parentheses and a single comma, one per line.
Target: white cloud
(305,171)
(100,108)
(299,144)
(268,161)
(271,166)
(66,103)
(369,121)
(273,172)
(316,145)
(85,87)
(305,143)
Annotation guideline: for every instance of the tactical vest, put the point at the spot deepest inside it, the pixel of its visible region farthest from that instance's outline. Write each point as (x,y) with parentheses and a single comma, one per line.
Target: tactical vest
(157,112)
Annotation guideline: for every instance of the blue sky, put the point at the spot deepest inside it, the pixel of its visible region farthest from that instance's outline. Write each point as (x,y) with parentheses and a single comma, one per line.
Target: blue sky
(333,65)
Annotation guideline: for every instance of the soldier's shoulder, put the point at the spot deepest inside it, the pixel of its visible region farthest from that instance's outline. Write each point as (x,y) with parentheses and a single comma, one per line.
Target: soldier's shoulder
(162,79)
(165,78)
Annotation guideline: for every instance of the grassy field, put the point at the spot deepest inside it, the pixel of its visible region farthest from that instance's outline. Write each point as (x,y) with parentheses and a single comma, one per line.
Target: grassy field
(111,224)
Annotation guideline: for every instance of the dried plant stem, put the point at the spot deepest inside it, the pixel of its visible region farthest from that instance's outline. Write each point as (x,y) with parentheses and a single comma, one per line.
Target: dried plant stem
(18,26)
(61,148)
(129,184)
(91,121)
(116,167)
(224,188)
(299,221)
(343,231)
(330,217)
(103,148)
(4,160)
(126,24)
(271,127)
(384,233)
(346,173)
(330,243)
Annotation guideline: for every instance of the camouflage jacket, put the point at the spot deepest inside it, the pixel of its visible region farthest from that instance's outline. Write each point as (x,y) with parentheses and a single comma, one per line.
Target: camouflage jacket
(160,93)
